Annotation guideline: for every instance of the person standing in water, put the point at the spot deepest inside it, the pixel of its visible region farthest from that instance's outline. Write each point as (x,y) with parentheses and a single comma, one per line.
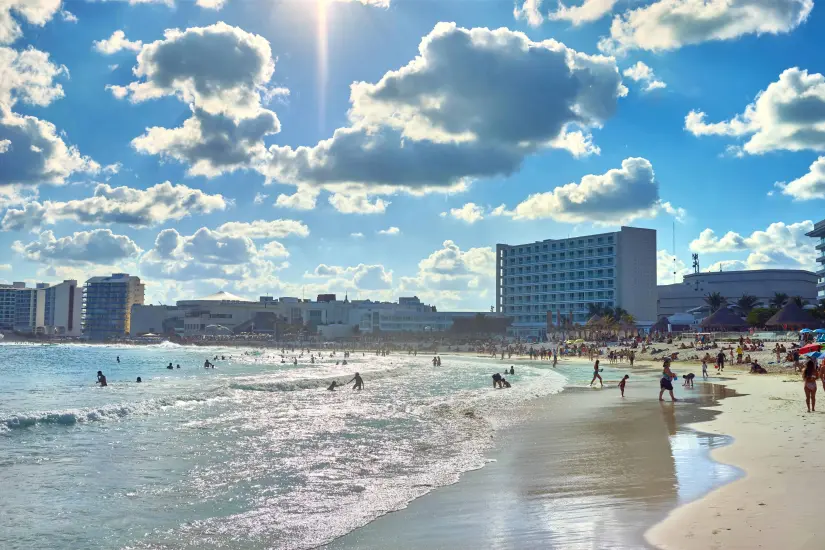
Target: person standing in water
(666,383)
(118,358)
(623,383)
(809,375)
(359,382)
(596,374)
(704,369)
(101,379)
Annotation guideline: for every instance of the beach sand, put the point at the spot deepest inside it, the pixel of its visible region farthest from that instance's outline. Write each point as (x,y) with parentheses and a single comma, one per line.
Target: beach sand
(779,503)
(588,470)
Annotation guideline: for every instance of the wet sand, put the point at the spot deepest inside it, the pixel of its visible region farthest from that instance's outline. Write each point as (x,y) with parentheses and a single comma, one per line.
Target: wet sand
(589,470)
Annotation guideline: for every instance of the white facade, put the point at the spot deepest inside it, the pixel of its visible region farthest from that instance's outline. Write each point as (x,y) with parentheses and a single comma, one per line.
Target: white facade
(558,278)
(206,315)
(46,309)
(18,307)
(762,283)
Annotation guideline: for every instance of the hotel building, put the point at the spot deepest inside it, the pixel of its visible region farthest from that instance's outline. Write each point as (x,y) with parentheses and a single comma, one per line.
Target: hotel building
(107,305)
(544,281)
(46,309)
(819,234)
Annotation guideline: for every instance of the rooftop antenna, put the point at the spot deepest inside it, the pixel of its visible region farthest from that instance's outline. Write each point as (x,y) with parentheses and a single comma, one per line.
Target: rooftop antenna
(674,252)
(695,263)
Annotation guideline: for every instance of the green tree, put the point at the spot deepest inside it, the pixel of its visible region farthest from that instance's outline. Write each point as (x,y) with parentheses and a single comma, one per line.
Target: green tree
(715,300)
(779,299)
(799,300)
(759,316)
(747,302)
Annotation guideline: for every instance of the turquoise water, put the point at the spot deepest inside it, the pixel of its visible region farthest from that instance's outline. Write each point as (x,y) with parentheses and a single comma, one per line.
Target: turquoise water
(252,454)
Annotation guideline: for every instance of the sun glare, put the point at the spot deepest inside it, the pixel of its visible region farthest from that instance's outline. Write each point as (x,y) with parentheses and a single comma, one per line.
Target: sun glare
(323,57)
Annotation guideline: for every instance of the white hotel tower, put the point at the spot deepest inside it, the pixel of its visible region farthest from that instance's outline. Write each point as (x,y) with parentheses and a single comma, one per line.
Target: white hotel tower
(560,277)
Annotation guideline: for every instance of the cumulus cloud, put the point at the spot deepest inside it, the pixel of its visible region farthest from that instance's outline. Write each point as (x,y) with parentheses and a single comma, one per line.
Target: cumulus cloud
(262,229)
(28,77)
(788,115)
(33,12)
(588,11)
(671,24)
(390,231)
(36,154)
(644,74)
(807,187)
(138,207)
(618,196)
(473,104)
(357,203)
(116,43)
(780,245)
(529,11)
(358,235)
(260,198)
(452,269)
(96,246)
(212,144)
(363,277)
(303,198)
(223,72)
(469,213)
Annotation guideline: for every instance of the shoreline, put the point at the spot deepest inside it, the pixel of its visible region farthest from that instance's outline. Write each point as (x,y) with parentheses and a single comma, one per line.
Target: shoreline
(628,470)
(778,446)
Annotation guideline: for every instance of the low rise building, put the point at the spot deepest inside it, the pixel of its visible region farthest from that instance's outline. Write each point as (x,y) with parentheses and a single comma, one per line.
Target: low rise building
(763,283)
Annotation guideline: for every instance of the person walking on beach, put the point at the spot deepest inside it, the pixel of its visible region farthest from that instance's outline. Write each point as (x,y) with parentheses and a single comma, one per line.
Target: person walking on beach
(596,374)
(359,382)
(666,383)
(623,383)
(809,375)
(720,360)
(704,369)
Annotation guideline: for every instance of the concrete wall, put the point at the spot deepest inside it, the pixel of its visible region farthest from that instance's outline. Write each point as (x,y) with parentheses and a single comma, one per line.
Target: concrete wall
(763,284)
(636,273)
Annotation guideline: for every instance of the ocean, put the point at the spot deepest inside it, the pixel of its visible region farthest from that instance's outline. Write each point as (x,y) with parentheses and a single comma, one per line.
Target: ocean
(252,454)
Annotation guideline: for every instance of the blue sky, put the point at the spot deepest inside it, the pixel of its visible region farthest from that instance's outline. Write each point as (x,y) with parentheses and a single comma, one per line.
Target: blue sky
(383,147)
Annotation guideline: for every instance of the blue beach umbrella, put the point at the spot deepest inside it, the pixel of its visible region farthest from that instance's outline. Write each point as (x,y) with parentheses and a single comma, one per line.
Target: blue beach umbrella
(820,331)
(814,354)
(805,331)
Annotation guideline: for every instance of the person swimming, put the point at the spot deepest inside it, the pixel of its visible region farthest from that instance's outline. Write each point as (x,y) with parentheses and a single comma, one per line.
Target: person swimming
(139,380)
(332,386)
(512,370)
(169,366)
(118,358)
(178,366)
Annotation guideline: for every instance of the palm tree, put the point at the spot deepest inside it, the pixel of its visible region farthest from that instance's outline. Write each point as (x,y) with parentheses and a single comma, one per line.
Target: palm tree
(747,302)
(799,301)
(715,300)
(779,299)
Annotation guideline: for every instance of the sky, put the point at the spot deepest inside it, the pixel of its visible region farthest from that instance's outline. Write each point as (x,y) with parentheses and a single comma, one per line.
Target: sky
(381,148)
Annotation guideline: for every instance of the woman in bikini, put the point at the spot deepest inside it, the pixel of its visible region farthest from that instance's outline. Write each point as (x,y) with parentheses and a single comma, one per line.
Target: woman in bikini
(596,374)
(809,375)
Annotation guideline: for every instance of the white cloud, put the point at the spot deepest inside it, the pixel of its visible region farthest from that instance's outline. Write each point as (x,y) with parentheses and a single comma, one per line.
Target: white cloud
(357,203)
(263,229)
(358,235)
(37,154)
(469,213)
(68,16)
(671,24)
(260,198)
(780,245)
(363,277)
(454,270)
(211,4)
(788,115)
(5,145)
(389,231)
(116,43)
(808,187)
(274,249)
(530,11)
(96,246)
(618,196)
(138,207)
(666,265)
(588,11)
(5,267)
(33,12)
(304,198)
(447,118)
(28,76)
(644,74)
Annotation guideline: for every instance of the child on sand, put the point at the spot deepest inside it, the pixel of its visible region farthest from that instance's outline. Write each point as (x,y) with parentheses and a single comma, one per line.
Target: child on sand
(704,369)
(623,383)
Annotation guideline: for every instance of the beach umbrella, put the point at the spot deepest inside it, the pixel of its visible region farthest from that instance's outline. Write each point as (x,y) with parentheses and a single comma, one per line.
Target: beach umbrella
(809,348)
(820,331)
(807,331)
(814,354)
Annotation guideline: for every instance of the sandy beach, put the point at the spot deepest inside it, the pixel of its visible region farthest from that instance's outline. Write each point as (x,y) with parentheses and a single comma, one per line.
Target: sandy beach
(778,503)
(588,470)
